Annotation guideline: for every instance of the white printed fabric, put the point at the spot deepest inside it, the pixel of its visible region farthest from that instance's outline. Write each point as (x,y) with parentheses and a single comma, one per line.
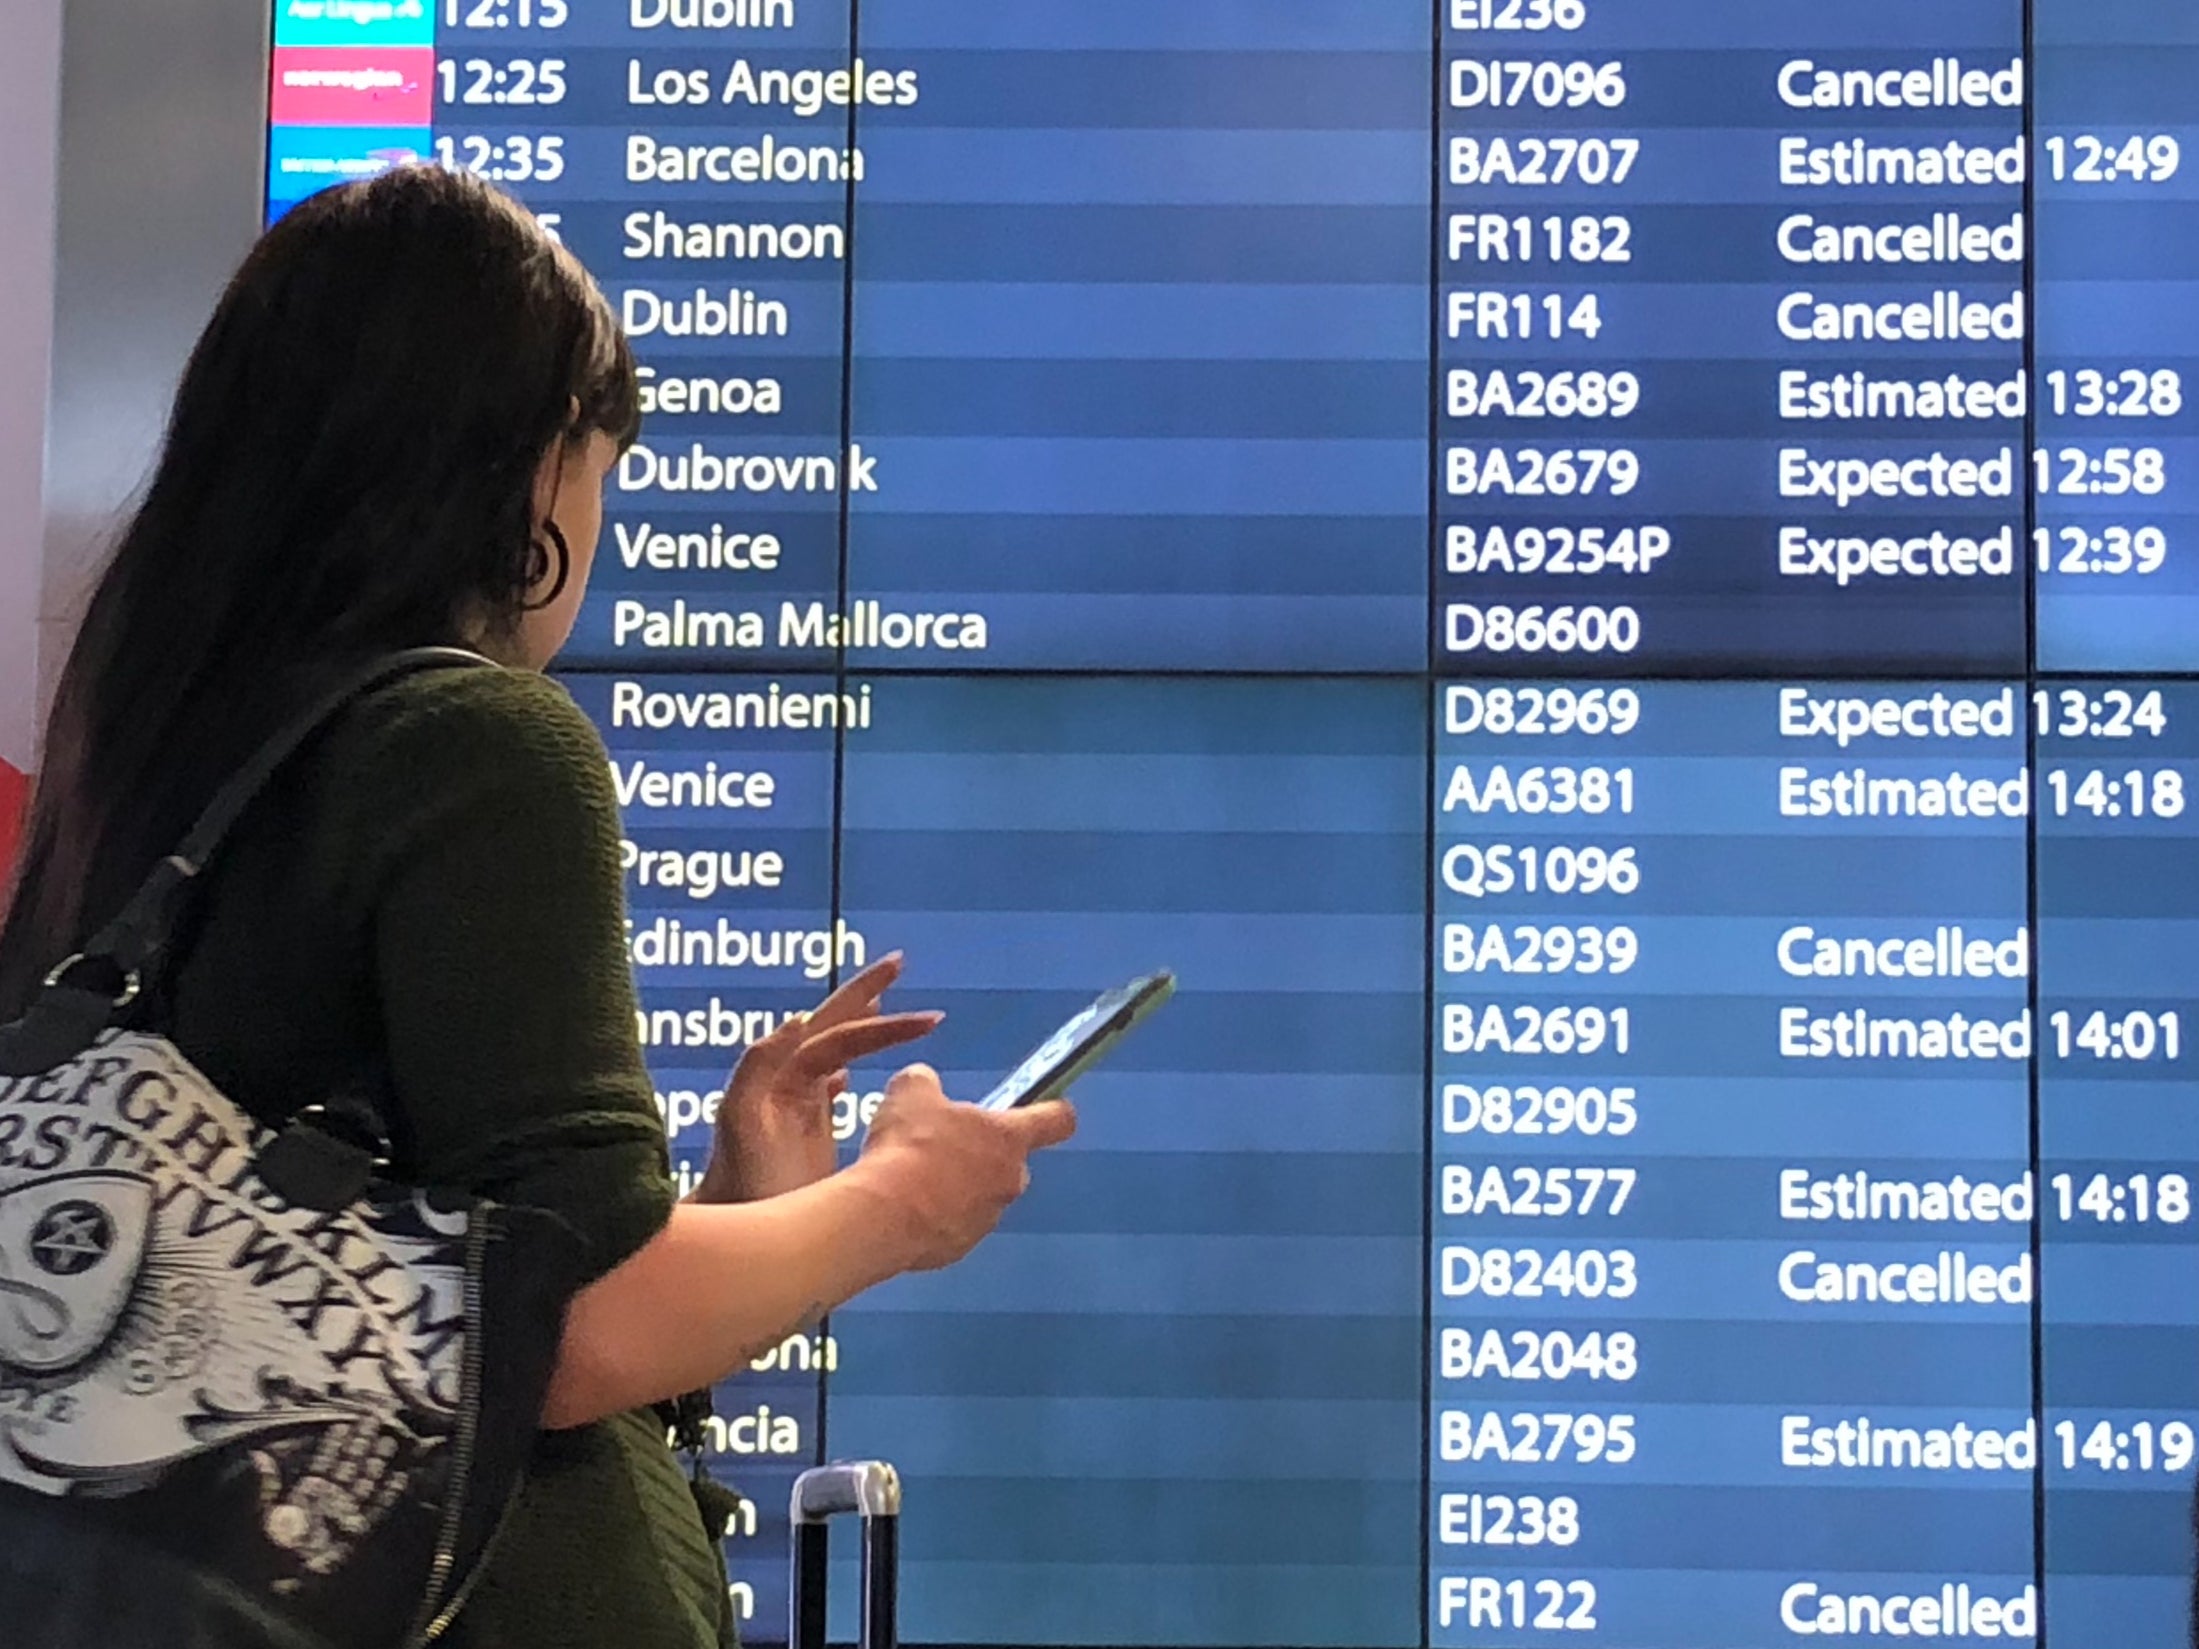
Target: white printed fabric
(160,1305)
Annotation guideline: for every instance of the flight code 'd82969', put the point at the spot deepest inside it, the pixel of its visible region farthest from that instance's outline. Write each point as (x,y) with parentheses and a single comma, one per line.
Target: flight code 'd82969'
(1537,712)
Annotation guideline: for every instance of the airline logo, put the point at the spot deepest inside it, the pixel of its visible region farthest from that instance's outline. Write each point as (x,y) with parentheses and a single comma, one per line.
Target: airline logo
(354,23)
(302,160)
(382,86)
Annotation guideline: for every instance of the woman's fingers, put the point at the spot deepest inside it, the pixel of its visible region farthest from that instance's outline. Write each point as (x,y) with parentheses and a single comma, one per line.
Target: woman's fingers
(859,997)
(827,1050)
(1038,1126)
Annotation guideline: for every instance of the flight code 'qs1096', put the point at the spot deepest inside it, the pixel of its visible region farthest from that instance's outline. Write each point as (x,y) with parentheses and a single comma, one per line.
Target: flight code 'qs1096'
(1476,870)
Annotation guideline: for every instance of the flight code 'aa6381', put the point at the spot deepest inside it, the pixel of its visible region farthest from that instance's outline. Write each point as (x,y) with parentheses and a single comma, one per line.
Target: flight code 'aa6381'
(1537,791)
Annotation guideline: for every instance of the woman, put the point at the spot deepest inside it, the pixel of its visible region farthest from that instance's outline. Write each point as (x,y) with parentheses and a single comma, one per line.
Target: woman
(396,431)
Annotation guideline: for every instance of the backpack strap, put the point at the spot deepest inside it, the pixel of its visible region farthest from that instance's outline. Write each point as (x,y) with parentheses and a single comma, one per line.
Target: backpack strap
(129,944)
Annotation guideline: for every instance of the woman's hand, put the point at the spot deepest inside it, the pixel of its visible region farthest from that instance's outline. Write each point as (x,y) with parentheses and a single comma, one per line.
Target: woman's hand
(947,1172)
(774,1130)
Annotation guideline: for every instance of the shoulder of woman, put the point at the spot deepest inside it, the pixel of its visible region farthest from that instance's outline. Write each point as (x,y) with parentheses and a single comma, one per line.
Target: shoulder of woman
(500,756)
(475,722)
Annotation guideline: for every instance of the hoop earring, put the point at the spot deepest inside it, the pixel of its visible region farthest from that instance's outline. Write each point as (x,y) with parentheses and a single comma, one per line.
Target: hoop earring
(564,566)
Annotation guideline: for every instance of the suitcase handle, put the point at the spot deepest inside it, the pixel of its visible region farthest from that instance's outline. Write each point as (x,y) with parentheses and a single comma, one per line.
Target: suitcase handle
(871,1490)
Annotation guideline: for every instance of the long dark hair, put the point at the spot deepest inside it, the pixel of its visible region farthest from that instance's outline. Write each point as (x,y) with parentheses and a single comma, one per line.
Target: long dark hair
(349,469)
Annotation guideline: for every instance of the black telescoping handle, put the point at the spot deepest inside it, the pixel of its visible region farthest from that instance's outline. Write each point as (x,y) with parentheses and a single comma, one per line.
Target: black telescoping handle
(871,1490)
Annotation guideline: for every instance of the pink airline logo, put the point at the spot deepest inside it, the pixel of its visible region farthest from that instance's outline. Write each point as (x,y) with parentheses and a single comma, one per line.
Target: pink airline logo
(356,86)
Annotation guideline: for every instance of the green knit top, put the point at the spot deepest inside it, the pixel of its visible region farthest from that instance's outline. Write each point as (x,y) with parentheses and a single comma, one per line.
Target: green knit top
(430,900)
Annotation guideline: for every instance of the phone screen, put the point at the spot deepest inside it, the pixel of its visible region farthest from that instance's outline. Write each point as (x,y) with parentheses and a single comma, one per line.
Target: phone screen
(1079,1043)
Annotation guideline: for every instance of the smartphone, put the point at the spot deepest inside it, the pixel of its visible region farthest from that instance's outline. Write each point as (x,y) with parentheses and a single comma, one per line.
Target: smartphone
(1080,1044)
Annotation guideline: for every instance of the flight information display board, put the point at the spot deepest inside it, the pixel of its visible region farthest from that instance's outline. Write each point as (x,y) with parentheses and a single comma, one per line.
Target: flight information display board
(1613,583)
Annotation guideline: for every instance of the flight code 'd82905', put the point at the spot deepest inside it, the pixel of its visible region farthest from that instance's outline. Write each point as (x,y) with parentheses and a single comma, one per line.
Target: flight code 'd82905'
(1529,1108)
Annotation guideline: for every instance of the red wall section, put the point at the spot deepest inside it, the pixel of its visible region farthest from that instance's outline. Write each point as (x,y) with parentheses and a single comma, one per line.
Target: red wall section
(15,790)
